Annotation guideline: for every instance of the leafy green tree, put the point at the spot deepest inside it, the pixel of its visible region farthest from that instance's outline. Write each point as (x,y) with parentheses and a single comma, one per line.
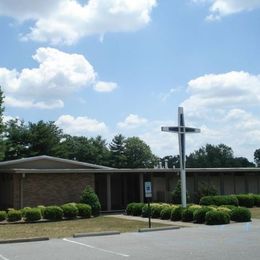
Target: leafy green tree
(173,161)
(101,152)
(2,144)
(214,156)
(257,157)
(44,138)
(91,150)
(32,139)
(117,152)
(16,140)
(138,154)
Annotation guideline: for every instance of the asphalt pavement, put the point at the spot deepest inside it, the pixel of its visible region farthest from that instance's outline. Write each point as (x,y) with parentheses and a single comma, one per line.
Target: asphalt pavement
(239,241)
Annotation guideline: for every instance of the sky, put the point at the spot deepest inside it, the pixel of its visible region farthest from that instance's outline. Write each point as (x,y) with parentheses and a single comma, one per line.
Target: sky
(104,67)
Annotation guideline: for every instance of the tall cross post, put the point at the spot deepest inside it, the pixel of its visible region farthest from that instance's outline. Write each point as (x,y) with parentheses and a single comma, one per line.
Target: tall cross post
(181,130)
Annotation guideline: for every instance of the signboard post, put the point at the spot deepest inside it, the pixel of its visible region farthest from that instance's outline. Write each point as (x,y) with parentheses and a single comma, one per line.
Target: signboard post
(148,196)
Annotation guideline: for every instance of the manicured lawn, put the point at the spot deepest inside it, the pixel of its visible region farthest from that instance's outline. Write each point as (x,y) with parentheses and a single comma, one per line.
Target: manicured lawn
(255,212)
(68,228)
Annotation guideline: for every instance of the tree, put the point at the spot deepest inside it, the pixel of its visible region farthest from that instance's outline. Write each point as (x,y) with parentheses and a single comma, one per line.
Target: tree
(138,154)
(16,140)
(101,152)
(32,139)
(91,150)
(44,138)
(257,157)
(90,197)
(173,161)
(117,152)
(2,144)
(214,156)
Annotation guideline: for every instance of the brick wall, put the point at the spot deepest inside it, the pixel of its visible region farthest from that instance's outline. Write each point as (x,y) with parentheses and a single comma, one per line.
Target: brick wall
(16,191)
(54,188)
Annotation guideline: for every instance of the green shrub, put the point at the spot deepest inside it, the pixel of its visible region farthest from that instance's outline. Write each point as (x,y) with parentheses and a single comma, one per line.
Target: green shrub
(228,206)
(194,206)
(3,215)
(24,211)
(200,214)
(246,200)
(187,215)
(145,211)
(219,200)
(214,217)
(32,214)
(207,201)
(205,189)
(224,209)
(134,209)
(240,214)
(84,210)
(42,208)
(176,213)
(14,215)
(90,197)
(257,200)
(176,194)
(53,213)
(69,210)
(156,210)
(137,209)
(129,208)
(166,212)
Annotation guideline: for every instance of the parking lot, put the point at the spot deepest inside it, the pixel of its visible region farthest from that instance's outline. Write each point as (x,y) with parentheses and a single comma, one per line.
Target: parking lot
(234,241)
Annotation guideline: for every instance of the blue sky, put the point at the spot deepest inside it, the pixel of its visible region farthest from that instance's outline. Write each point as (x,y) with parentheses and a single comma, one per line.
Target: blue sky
(124,66)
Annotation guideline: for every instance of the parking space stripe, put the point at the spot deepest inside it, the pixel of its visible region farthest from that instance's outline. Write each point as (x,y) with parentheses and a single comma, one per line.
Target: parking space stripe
(93,247)
(3,258)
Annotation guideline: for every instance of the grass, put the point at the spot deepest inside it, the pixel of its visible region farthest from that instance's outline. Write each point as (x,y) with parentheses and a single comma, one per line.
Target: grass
(255,212)
(68,228)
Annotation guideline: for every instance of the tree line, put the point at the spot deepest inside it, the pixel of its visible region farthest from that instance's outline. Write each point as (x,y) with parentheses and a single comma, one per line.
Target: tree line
(19,139)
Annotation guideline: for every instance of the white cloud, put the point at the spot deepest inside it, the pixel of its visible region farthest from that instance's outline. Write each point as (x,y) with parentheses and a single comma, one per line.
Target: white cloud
(220,8)
(224,106)
(58,75)
(232,89)
(80,125)
(102,86)
(66,21)
(24,9)
(132,121)
(12,102)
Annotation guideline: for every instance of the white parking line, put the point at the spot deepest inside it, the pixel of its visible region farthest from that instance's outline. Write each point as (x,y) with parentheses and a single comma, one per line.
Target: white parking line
(93,247)
(3,258)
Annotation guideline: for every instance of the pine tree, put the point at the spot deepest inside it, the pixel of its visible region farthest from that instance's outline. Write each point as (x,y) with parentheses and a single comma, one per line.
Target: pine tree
(117,152)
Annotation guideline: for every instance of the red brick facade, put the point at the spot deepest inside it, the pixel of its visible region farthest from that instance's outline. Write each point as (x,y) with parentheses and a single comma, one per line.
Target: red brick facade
(49,188)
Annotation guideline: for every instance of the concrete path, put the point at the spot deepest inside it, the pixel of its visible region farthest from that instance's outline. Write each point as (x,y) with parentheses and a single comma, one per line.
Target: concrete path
(153,220)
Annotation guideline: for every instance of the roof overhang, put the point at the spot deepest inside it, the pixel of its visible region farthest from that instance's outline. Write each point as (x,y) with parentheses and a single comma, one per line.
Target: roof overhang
(141,170)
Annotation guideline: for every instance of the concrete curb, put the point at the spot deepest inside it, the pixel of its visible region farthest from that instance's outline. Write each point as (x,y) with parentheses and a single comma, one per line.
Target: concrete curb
(22,240)
(94,234)
(156,229)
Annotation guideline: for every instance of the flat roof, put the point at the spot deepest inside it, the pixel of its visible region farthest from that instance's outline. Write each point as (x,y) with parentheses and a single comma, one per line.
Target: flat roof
(138,170)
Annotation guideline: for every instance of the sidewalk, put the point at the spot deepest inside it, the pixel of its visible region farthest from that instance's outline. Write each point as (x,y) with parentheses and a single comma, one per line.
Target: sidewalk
(153,220)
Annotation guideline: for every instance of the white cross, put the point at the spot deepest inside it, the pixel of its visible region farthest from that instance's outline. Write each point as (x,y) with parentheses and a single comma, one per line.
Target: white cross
(181,130)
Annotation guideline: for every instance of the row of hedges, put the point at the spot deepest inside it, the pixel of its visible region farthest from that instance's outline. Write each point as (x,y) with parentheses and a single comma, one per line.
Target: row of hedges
(244,200)
(53,213)
(211,215)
